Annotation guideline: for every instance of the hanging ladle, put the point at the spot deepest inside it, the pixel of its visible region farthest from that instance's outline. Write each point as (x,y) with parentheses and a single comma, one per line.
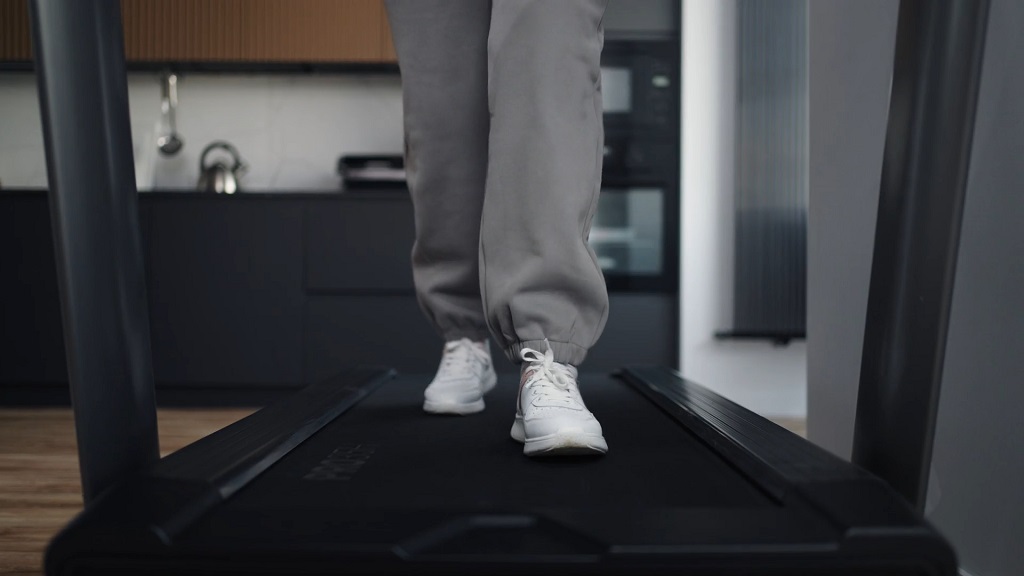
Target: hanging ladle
(170,143)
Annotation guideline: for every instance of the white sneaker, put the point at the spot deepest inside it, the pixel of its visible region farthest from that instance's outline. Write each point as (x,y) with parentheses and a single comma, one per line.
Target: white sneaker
(551,418)
(465,375)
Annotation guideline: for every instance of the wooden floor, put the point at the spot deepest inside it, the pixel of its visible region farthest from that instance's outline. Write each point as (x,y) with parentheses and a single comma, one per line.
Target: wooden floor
(39,484)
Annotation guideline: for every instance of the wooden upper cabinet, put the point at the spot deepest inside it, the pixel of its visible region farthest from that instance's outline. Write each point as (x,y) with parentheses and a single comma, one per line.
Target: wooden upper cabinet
(15,40)
(387,43)
(273,31)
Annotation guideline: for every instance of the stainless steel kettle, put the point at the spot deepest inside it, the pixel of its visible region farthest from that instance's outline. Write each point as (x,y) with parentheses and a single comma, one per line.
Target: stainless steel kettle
(219,177)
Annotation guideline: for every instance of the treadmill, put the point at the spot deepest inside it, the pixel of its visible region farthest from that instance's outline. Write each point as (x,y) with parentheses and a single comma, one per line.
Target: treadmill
(349,476)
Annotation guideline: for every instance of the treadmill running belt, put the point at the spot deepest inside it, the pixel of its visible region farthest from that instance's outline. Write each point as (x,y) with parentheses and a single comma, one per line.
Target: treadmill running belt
(387,478)
(387,452)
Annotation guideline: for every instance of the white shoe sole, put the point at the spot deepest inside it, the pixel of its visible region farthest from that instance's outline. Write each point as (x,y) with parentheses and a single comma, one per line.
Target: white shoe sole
(461,408)
(568,441)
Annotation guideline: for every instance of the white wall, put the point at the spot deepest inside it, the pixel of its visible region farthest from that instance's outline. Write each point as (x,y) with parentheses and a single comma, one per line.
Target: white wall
(765,378)
(851,45)
(291,129)
(977,482)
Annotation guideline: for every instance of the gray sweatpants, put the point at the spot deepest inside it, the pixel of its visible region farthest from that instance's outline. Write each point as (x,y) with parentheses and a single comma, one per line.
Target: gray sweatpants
(504,143)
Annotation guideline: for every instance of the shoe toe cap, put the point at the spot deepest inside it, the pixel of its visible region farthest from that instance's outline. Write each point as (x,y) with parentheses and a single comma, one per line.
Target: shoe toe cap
(546,421)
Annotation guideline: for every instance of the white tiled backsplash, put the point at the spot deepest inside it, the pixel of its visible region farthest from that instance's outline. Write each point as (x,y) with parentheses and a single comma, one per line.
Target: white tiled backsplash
(290,129)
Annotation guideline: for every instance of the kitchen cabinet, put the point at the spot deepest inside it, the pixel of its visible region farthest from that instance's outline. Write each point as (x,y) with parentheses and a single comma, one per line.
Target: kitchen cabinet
(30,324)
(383,258)
(225,289)
(233,31)
(258,292)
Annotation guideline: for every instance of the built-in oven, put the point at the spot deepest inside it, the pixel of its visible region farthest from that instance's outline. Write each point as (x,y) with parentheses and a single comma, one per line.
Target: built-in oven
(636,229)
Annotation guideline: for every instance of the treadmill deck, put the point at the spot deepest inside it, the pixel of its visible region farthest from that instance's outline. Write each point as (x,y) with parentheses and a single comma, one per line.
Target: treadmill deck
(353,474)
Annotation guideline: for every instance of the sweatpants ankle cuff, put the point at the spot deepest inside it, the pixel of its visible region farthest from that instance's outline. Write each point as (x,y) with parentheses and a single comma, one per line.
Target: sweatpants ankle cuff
(565,352)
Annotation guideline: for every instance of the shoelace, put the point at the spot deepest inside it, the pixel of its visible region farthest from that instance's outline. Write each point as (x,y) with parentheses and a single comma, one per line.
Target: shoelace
(546,370)
(460,355)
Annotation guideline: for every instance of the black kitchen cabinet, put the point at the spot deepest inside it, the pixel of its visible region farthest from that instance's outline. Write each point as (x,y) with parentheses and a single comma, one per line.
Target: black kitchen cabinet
(382,330)
(31,339)
(359,246)
(225,289)
(256,293)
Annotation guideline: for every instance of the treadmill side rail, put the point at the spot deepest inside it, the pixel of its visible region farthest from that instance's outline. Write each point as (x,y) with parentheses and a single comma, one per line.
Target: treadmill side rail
(771,455)
(232,457)
(148,511)
(867,511)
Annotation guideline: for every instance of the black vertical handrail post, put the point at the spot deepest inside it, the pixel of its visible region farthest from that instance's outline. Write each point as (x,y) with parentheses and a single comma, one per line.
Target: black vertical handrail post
(939,46)
(83,96)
